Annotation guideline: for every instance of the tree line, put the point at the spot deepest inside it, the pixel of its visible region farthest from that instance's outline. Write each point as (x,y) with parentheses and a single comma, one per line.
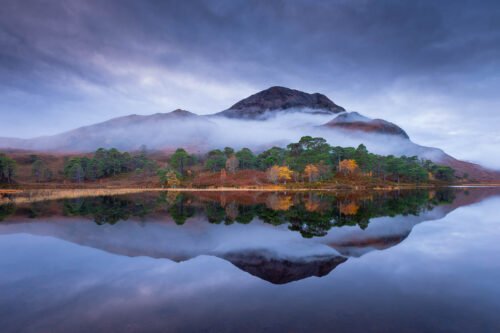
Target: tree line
(107,163)
(311,159)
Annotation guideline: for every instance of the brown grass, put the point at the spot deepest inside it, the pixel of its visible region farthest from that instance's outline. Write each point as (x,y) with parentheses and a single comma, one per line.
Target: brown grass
(29,196)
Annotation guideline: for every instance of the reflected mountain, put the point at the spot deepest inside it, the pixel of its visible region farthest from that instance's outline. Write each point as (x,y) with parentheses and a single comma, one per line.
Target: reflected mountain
(281,270)
(278,237)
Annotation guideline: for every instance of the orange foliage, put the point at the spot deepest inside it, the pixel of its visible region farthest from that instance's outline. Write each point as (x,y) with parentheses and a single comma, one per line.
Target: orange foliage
(349,209)
(276,173)
(311,206)
(277,202)
(311,172)
(348,166)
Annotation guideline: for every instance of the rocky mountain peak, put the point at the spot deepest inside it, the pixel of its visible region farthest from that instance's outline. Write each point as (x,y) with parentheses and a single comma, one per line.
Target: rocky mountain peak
(280,98)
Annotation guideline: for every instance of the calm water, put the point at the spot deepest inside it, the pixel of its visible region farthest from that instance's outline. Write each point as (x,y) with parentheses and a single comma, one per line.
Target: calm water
(416,261)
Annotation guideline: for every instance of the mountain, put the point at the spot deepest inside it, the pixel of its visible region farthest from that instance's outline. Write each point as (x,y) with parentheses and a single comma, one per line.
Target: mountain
(276,99)
(272,117)
(353,121)
(282,270)
(125,133)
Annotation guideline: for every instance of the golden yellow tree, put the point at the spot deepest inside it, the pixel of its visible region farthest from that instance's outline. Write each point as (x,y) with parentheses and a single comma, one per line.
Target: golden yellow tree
(285,173)
(273,174)
(277,173)
(311,172)
(348,166)
(279,202)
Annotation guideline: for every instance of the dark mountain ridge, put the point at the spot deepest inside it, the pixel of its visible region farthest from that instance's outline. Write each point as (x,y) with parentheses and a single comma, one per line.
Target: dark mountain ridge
(276,99)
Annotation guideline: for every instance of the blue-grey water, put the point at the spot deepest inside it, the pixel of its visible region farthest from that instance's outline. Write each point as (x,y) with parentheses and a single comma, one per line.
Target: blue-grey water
(271,262)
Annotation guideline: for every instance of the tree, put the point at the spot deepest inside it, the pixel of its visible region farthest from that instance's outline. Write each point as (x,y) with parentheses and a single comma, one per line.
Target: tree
(273,174)
(7,169)
(444,173)
(232,164)
(363,158)
(37,169)
(40,171)
(73,169)
(277,173)
(180,160)
(270,157)
(395,166)
(348,166)
(311,172)
(308,150)
(216,160)
(247,159)
(172,179)
(168,177)
(228,151)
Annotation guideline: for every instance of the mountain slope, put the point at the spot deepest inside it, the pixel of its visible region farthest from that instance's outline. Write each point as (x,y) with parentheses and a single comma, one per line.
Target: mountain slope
(125,133)
(353,121)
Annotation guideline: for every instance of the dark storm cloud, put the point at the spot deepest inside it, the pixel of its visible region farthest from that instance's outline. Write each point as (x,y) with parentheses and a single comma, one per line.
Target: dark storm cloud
(67,63)
(345,39)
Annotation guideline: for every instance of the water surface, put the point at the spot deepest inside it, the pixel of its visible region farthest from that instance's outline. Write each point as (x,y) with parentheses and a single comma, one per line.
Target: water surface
(412,261)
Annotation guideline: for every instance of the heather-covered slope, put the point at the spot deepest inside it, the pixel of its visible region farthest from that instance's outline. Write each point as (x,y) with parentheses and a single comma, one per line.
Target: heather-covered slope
(353,121)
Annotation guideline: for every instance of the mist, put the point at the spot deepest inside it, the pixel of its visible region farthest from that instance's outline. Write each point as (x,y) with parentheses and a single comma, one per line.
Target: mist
(199,134)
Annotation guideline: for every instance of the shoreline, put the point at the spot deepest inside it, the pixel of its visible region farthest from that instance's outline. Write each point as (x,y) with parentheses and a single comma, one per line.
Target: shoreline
(19,196)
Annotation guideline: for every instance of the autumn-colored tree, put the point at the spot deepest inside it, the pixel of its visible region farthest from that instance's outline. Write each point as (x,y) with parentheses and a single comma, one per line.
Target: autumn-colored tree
(273,174)
(172,179)
(285,173)
(277,173)
(348,166)
(232,164)
(168,177)
(349,209)
(311,172)
(279,202)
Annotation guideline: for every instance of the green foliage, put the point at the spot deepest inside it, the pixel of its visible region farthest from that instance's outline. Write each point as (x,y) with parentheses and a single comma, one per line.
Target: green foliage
(270,157)
(216,160)
(7,169)
(308,150)
(180,160)
(40,171)
(317,152)
(107,163)
(247,159)
(107,209)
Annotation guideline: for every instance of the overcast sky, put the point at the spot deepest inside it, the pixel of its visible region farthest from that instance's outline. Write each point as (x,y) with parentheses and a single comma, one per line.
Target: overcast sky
(432,67)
